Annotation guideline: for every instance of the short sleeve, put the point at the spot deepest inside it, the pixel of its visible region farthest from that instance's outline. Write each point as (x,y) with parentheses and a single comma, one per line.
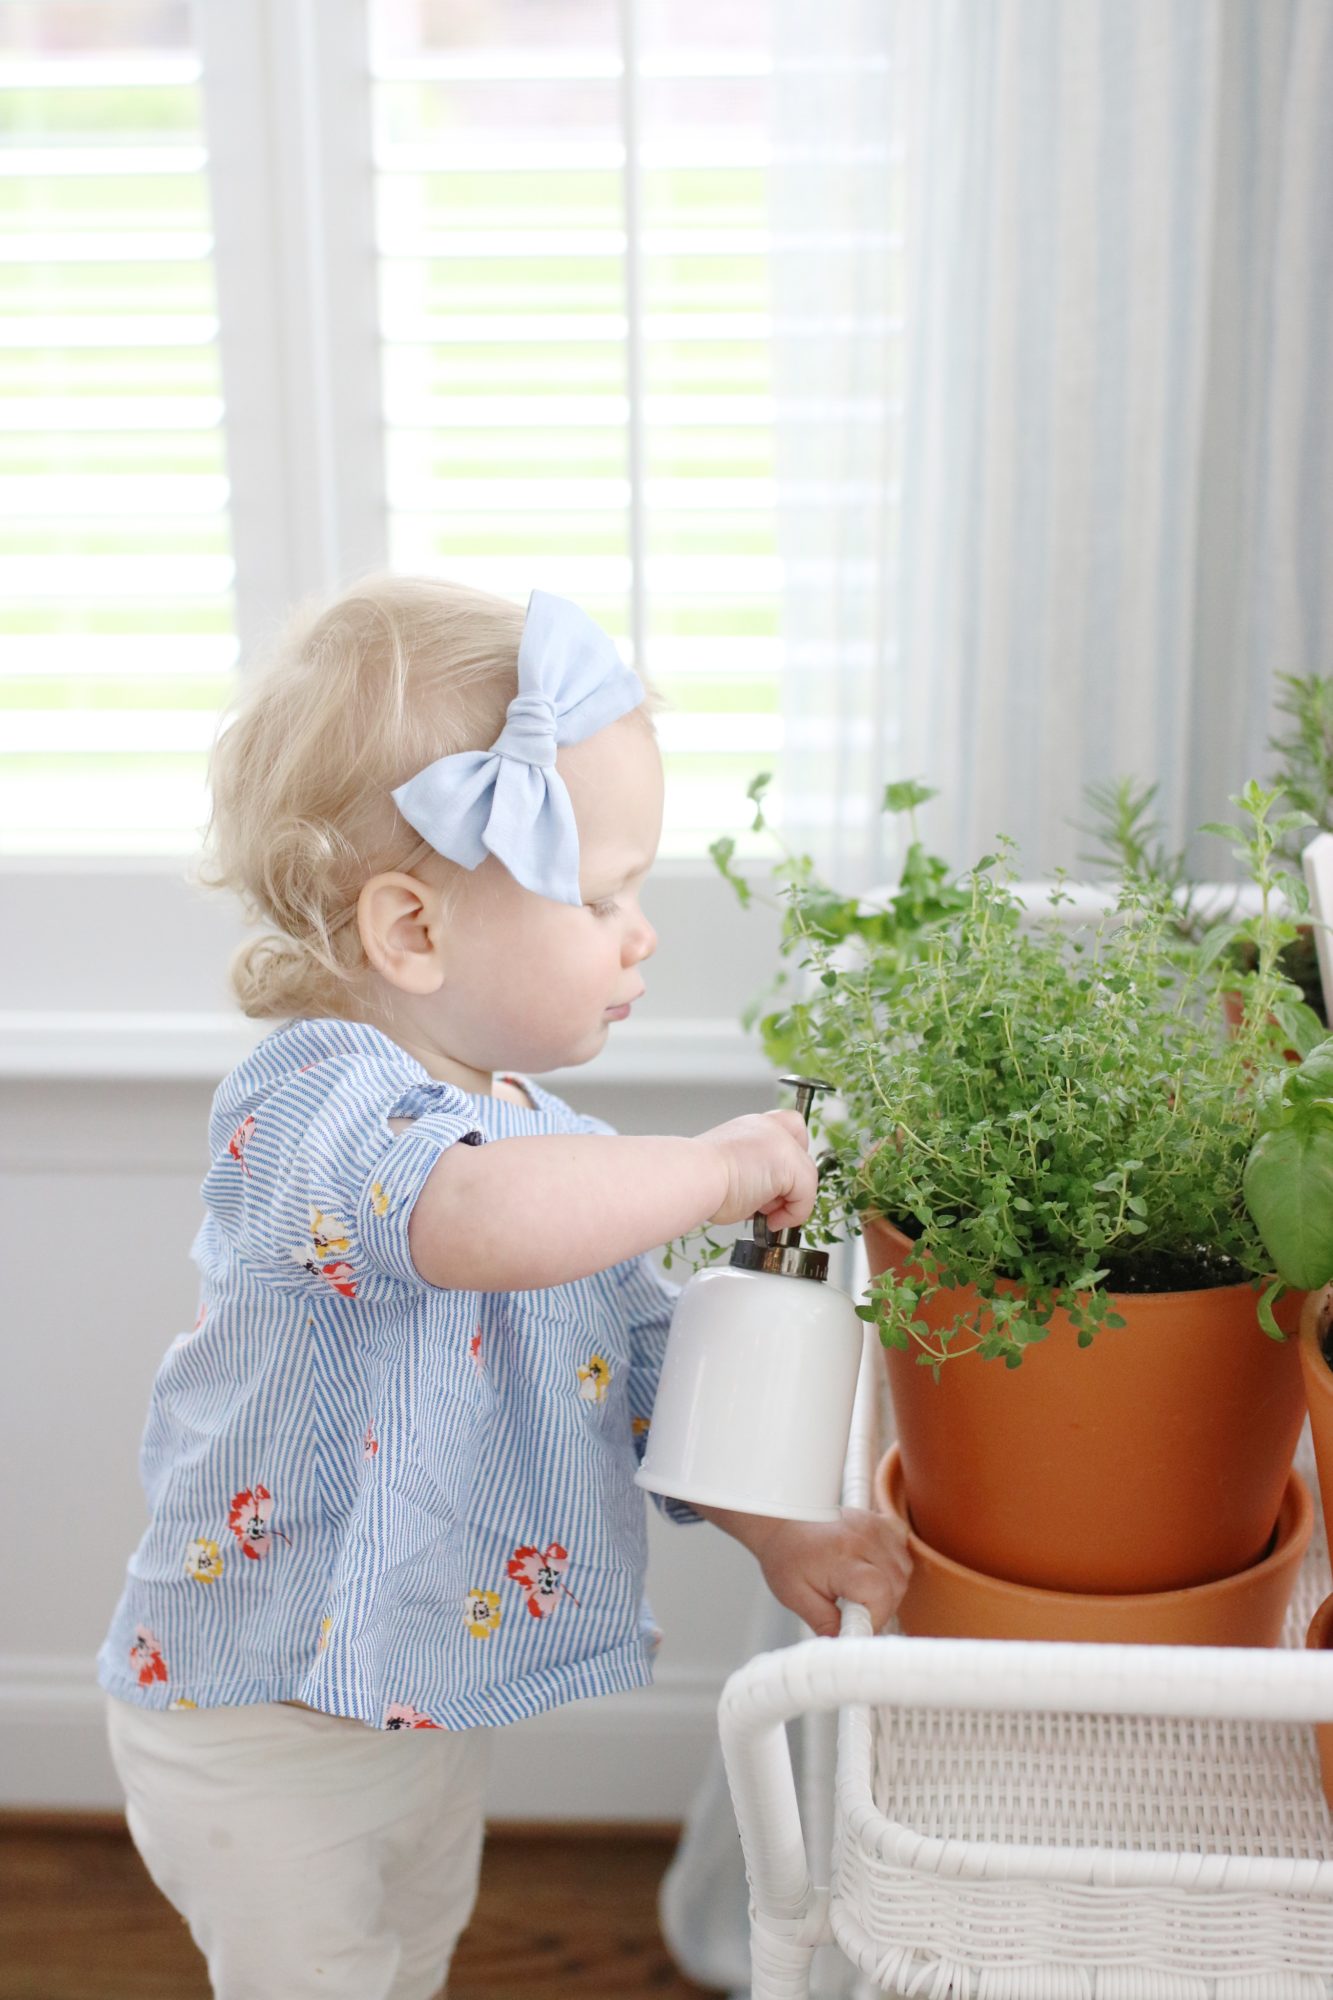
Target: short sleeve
(311,1186)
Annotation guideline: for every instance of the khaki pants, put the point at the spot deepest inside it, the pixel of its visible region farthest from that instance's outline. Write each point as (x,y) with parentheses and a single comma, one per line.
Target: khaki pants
(309,1855)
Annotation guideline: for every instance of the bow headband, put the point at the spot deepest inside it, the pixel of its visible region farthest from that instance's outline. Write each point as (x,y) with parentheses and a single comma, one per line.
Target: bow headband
(510,800)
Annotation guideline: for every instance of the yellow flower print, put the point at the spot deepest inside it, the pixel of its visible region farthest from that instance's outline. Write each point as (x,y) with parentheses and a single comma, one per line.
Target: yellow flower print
(327,1233)
(593,1379)
(203,1561)
(326,1626)
(481,1612)
(639,1426)
(182,1701)
(323,1255)
(379,1200)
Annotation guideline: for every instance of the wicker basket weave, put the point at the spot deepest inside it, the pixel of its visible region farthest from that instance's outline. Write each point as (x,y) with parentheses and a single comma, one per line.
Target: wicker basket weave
(1043,1822)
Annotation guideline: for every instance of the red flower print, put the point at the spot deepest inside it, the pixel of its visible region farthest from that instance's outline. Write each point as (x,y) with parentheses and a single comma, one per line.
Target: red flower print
(540,1572)
(402,1715)
(146,1657)
(238,1142)
(474,1349)
(370,1444)
(248,1518)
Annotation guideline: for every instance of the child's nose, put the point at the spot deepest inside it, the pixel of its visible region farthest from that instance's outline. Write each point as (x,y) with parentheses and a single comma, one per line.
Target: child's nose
(641,943)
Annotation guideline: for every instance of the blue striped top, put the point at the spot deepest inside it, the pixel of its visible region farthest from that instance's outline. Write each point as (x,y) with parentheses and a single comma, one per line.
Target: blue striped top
(386,1500)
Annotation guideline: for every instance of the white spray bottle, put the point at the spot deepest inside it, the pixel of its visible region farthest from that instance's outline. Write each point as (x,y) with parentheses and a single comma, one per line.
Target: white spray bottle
(754,1406)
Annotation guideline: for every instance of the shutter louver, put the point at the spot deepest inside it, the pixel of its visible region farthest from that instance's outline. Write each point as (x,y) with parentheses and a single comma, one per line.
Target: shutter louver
(116,625)
(576,323)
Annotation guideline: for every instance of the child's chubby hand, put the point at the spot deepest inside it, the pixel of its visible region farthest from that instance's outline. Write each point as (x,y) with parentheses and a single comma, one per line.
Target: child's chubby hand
(809,1565)
(769,1169)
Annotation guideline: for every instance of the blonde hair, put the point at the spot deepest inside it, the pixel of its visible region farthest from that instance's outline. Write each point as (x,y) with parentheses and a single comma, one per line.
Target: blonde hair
(353,699)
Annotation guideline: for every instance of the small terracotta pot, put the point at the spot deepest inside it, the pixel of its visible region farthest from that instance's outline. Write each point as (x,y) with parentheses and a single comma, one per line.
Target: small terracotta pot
(1153,1460)
(1319,1639)
(1316,1316)
(1233,1013)
(945,1600)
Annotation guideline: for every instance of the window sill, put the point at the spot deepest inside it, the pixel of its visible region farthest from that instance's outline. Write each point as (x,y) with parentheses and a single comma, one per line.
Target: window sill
(199,1047)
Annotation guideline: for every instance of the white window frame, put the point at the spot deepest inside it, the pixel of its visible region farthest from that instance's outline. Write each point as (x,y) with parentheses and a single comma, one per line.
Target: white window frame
(288,119)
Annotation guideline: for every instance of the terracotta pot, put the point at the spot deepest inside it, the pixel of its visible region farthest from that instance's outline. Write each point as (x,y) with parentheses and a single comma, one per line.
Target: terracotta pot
(946,1600)
(1319,1639)
(1233,1013)
(1316,1316)
(1153,1460)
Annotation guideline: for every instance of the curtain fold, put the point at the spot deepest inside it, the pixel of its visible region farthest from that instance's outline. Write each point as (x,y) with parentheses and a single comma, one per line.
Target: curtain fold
(1056,498)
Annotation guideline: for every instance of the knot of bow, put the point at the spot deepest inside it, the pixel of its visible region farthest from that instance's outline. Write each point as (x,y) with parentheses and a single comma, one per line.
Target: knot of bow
(510,800)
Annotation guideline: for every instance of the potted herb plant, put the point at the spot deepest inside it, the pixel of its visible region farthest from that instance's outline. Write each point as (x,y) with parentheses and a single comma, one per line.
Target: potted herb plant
(1289,1191)
(1128,837)
(1043,1135)
(1304,772)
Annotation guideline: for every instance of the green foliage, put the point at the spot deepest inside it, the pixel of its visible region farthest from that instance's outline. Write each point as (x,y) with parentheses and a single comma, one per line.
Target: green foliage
(1052,1114)
(1129,843)
(1305,769)
(883,937)
(1128,840)
(1289,1174)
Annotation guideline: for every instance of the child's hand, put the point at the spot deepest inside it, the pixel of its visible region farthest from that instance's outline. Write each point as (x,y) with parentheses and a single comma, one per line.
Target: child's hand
(809,1565)
(769,1169)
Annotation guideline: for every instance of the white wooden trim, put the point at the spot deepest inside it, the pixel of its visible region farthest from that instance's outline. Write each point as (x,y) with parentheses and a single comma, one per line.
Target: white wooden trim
(148,1047)
(286,88)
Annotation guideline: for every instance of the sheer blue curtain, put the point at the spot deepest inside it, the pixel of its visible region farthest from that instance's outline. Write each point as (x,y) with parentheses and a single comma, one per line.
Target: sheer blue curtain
(1056,486)
(1053,314)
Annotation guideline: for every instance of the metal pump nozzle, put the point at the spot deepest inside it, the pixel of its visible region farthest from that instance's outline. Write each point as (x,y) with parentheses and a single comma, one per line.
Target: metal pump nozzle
(784,1252)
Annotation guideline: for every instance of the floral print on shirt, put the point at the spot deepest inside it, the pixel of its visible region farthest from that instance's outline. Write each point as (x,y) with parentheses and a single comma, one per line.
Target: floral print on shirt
(540,1573)
(481,1612)
(402,1715)
(203,1561)
(248,1519)
(321,1255)
(594,1377)
(146,1657)
(238,1142)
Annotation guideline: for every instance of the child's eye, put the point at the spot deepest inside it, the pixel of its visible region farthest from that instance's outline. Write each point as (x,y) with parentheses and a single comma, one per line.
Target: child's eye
(607,909)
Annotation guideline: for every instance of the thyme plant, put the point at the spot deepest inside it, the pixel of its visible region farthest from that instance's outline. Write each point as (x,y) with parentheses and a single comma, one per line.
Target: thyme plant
(1053,1115)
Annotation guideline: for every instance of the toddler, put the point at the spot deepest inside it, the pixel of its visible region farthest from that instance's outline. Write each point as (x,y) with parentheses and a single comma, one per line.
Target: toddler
(390,1467)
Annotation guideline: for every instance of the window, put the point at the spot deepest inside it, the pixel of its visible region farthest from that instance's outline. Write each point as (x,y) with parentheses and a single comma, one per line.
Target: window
(573,314)
(293,291)
(116,626)
(574,300)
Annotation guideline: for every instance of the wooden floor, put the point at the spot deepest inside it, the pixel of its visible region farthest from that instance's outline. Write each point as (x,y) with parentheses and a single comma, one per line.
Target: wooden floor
(560,1914)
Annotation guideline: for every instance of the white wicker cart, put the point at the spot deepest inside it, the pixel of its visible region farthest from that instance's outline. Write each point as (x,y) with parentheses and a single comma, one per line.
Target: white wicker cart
(1016,1821)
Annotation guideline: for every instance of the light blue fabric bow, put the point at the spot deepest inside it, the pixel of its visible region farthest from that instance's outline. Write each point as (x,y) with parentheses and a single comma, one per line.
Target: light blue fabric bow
(510,800)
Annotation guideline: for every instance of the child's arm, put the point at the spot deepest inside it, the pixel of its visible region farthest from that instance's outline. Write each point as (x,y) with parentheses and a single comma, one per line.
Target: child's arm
(526,1214)
(809,1565)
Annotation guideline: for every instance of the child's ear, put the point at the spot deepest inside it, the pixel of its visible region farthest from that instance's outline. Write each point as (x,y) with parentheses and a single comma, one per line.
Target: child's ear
(397,917)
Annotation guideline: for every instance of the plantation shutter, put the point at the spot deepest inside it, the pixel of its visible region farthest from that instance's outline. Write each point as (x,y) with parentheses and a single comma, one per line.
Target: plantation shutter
(575,315)
(116,626)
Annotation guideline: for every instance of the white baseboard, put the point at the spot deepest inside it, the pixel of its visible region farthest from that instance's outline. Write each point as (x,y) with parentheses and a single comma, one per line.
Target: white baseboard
(636,1756)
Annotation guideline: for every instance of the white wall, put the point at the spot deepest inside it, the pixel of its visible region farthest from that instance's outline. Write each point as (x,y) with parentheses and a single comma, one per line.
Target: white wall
(102,1149)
